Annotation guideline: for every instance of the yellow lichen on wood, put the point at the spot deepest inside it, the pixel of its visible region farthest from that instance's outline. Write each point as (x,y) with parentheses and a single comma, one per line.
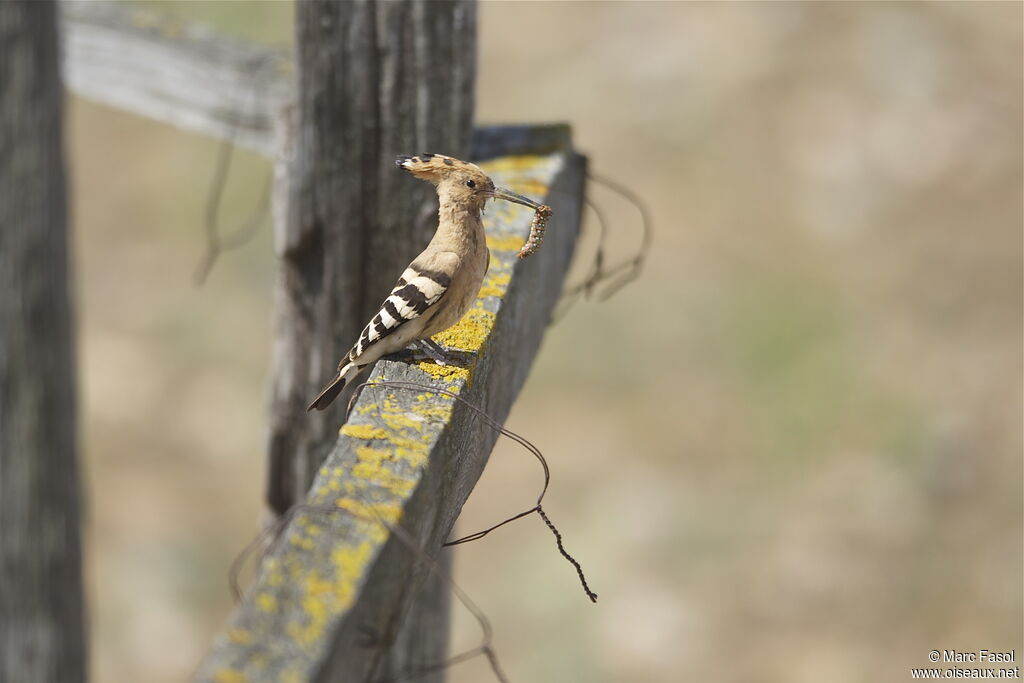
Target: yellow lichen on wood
(240,636)
(230,676)
(518,165)
(371,467)
(449,373)
(349,564)
(385,512)
(417,443)
(531,186)
(436,412)
(495,284)
(273,572)
(397,485)
(320,602)
(302,542)
(266,602)
(470,333)
(372,457)
(398,420)
(365,432)
(325,597)
(505,242)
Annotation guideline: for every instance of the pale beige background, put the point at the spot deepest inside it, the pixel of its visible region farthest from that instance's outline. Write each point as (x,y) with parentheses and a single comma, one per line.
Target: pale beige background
(790,452)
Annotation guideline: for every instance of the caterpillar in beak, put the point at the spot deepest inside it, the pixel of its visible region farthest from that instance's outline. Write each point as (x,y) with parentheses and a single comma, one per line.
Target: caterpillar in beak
(541,217)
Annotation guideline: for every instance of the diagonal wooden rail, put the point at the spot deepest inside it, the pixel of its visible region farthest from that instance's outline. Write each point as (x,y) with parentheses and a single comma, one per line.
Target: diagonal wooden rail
(176,72)
(340,596)
(338,587)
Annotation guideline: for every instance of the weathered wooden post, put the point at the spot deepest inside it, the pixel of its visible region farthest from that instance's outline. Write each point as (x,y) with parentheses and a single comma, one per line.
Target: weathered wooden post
(375,79)
(42,631)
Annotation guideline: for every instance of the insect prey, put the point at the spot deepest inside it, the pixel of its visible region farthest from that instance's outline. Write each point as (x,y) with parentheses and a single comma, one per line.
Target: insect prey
(541,217)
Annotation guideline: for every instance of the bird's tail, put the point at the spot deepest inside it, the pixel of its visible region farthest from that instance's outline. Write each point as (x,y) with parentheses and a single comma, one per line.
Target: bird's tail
(334,387)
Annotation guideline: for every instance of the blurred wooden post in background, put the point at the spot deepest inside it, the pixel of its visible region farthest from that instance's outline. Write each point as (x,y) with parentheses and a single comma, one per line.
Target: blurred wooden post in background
(375,79)
(42,630)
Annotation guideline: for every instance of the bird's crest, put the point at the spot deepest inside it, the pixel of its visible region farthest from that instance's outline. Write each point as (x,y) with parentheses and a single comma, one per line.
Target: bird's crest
(434,167)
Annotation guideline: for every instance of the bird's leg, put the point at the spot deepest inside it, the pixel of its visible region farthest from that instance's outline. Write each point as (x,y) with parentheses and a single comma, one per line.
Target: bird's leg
(432,349)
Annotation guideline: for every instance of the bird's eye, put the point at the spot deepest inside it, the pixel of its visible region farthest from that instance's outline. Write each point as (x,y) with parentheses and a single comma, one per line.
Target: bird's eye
(470,184)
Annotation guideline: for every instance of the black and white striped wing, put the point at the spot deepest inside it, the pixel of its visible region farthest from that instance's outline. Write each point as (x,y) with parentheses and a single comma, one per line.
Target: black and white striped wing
(416,291)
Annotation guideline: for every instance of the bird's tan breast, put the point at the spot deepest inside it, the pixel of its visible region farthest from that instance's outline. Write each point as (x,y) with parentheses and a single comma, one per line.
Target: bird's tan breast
(462,292)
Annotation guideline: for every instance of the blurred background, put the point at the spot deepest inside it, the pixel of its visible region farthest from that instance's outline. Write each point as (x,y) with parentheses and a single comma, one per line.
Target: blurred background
(791,451)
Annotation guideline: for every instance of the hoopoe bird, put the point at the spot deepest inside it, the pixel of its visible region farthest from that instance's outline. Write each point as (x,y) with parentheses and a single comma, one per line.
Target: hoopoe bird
(440,284)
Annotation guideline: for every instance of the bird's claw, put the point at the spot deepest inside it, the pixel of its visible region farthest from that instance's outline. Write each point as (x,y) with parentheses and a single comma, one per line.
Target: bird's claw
(436,353)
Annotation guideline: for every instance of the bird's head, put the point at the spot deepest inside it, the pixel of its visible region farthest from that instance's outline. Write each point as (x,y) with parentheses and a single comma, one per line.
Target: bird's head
(459,182)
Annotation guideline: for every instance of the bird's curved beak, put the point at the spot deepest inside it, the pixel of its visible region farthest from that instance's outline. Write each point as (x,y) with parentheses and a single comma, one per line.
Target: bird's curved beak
(510,196)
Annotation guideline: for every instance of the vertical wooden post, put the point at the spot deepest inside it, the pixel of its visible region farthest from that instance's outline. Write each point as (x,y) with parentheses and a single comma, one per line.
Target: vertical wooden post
(42,635)
(375,79)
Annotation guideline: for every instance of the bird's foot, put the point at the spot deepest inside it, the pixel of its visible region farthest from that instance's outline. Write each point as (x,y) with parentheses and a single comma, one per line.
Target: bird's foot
(436,353)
